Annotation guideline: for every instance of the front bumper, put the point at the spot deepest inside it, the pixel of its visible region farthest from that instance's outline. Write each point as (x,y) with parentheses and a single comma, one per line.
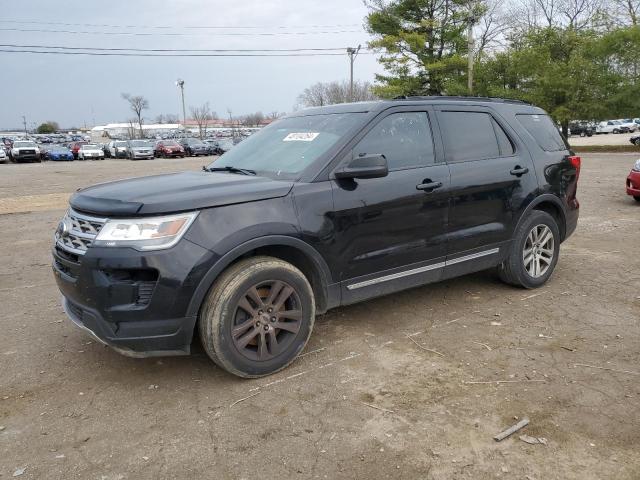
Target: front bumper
(135,302)
(24,157)
(174,153)
(142,155)
(633,184)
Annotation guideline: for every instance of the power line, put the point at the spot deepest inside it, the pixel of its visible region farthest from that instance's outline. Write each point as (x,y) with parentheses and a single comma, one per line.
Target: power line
(193,27)
(173,34)
(133,54)
(174,50)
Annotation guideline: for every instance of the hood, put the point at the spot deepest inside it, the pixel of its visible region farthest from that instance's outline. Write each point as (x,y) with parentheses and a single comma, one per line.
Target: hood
(175,192)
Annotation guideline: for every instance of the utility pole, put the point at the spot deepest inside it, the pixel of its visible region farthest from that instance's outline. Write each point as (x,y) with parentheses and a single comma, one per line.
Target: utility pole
(180,83)
(353,53)
(471,20)
(470,55)
(24,122)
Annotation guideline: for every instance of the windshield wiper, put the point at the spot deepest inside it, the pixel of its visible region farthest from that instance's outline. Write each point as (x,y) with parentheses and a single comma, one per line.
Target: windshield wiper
(242,171)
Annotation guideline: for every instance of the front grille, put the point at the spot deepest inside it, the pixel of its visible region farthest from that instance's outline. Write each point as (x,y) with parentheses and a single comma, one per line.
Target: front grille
(76,232)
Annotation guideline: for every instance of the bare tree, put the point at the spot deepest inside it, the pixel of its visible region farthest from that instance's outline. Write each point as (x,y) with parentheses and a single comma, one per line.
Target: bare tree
(171,118)
(131,129)
(137,103)
(330,93)
(275,115)
(253,119)
(575,14)
(202,116)
(579,13)
(627,11)
(491,28)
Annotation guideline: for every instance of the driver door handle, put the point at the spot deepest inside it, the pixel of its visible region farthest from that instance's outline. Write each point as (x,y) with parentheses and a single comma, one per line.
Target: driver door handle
(518,170)
(428,186)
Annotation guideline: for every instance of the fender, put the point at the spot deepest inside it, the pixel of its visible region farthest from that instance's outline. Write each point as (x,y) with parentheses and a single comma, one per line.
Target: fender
(546,197)
(270,240)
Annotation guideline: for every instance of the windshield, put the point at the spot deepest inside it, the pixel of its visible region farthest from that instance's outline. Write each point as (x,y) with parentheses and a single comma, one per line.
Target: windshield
(119,144)
(170,144)
(288,146)
(90,146)
(24,144)
(193,141)
(139,143)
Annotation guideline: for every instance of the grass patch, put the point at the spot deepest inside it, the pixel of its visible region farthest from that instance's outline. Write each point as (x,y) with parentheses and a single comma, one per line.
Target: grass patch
(606,148)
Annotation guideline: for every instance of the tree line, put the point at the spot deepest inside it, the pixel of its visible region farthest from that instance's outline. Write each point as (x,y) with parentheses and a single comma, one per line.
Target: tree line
(577,59)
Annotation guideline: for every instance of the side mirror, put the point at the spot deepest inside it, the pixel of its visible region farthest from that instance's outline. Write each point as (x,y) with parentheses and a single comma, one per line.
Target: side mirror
(368,166)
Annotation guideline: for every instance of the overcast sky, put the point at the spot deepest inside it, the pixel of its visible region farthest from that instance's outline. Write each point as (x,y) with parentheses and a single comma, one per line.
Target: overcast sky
(75,89)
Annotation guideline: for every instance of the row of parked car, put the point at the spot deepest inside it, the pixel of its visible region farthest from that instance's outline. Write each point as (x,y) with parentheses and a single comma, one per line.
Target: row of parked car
(587,129)
(19,151)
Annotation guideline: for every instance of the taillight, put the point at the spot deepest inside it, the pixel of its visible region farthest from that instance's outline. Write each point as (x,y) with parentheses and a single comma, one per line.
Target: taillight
(575,161)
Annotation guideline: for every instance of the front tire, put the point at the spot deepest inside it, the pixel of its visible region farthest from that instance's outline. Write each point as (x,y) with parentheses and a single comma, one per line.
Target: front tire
(636,198)
(534,252)
(257,317)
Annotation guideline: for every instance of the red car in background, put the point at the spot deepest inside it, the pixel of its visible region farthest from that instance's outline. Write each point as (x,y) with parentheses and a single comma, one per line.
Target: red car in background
(633,182)
(168,148)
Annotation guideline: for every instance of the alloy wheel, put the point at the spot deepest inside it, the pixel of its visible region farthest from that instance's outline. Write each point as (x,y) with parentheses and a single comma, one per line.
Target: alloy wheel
(538,251)
(267,319)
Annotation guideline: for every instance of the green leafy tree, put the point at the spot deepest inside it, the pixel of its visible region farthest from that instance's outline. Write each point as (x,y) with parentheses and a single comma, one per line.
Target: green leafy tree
(424,44)
(48,127)
(572,74)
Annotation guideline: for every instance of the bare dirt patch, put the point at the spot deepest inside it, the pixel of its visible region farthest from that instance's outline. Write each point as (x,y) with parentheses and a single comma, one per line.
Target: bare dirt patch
(367,400)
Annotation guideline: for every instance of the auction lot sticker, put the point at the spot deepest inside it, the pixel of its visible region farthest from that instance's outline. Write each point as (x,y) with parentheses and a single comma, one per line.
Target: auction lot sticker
(301,137)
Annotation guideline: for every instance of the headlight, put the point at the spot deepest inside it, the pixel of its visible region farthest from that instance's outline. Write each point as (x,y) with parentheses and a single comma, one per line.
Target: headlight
(150,233)
(636,167)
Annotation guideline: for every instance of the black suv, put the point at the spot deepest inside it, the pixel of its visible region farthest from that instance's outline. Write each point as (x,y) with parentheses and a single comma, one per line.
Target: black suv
(582,129)
(326,207)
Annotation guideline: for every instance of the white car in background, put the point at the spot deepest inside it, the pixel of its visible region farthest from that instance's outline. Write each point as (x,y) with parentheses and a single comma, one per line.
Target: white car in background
(629,124)
(4,158)
(25,151)
(118,149)
(609,126)
(90,151)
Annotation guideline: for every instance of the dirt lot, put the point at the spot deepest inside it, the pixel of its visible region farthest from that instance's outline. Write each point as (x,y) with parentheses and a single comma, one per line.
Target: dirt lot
(367,399)
(603,139)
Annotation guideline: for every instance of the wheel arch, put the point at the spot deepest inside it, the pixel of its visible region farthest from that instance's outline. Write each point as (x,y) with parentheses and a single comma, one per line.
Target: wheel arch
(290,249)
(553,206)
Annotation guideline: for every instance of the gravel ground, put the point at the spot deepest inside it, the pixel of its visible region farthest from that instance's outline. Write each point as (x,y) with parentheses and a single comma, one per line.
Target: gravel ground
(370,398)
(603,139)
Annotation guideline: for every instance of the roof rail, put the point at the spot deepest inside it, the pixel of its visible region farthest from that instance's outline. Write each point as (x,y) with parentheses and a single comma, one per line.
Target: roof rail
(461,98)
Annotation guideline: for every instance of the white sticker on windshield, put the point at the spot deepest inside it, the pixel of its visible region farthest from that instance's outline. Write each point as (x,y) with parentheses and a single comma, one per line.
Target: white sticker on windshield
(301,137)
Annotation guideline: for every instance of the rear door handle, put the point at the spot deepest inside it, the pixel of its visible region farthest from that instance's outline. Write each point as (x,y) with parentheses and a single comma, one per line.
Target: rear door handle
(518,170)
(428,186)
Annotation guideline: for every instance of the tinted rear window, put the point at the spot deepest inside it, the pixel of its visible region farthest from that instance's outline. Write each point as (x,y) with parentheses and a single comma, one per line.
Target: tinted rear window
(468,136)
(543,131)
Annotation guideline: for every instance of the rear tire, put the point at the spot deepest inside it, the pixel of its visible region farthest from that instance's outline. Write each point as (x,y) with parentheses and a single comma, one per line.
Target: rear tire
(636,198)
(533,254)
(257,317)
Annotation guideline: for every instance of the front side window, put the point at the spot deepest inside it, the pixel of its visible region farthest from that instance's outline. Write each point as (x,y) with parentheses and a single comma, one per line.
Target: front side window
(468,136)
(403,138)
